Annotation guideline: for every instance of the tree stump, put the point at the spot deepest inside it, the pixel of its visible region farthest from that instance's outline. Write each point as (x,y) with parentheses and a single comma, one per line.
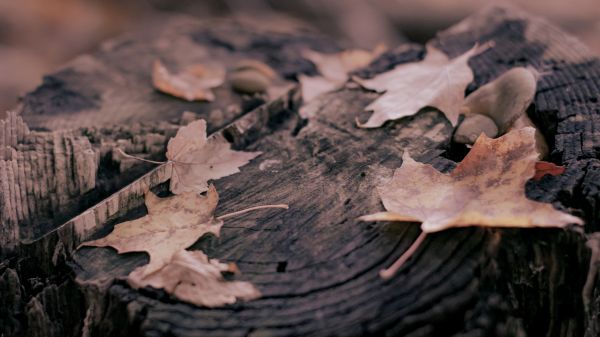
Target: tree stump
(315,264)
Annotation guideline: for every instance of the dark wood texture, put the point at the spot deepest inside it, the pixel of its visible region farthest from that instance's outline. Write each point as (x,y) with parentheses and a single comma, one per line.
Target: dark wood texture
(315,264)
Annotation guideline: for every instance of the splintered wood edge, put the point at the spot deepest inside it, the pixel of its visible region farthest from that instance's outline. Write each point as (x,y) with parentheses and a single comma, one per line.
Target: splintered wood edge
(63,240)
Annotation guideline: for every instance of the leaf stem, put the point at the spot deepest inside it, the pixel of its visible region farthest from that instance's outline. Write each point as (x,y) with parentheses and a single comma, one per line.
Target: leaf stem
(391,270)
(159,162)
(229,215)
(140,159)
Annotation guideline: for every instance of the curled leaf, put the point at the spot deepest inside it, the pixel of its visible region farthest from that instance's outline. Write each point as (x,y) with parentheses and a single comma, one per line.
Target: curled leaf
(192,277)
(192,84)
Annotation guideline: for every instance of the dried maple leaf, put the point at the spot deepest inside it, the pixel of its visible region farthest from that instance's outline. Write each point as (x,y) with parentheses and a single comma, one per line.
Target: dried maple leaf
(486,189)
(192,277)
(192,84)
(436,82)
(337,66)
(171,225)
(334,69)
(543,168)
(197,159)
(313,86)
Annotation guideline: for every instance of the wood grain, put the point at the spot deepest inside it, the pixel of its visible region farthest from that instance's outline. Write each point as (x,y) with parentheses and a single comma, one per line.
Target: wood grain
(315,264)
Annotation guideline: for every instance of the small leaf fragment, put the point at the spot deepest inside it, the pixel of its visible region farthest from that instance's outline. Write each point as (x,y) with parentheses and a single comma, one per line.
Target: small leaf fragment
(192,277)
(192,84)
(197,159)
(543,168)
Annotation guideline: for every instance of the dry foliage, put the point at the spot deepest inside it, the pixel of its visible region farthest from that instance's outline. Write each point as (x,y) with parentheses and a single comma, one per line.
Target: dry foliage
(436,82)
(197,159)
(334,69)
(486,189)
(171,225)
(192,277)
(192,84)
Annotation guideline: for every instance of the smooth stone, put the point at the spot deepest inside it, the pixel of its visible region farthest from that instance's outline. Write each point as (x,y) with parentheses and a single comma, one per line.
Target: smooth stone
(258,66)
(249,81)
(472,126)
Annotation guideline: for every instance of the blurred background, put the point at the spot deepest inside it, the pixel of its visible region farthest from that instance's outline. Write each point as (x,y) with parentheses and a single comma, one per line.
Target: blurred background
(37,36)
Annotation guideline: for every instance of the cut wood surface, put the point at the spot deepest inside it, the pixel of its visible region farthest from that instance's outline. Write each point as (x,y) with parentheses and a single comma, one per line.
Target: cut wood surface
(315,264)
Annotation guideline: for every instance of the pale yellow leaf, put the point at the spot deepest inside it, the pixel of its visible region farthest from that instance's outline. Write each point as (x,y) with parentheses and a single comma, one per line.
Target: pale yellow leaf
(337,66)
(171,225)
(192,277)
(192,84)
(197,159)
(313,86)
(334,69)
(486,189)
(436,81)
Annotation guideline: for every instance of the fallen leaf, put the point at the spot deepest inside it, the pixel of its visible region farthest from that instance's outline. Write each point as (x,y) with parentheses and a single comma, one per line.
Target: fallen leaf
(192,84)
(543,168)
(334,69)
(337,66)
(436,82)
(197,159)
(192,277)
(313,86)
(171,225)
(486,189)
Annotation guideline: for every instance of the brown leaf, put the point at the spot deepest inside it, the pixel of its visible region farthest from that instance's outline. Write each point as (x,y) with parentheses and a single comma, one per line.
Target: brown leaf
(192,84)
(337,66)
(486,189)
(197,159)
(543,168)
(192,277)
(334,69)
(313,86)
(171,225)
(436,82)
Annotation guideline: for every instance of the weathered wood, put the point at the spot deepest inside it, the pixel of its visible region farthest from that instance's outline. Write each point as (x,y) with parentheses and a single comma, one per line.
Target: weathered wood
(106,100)
(82,102)
(316,265)
(41,174)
